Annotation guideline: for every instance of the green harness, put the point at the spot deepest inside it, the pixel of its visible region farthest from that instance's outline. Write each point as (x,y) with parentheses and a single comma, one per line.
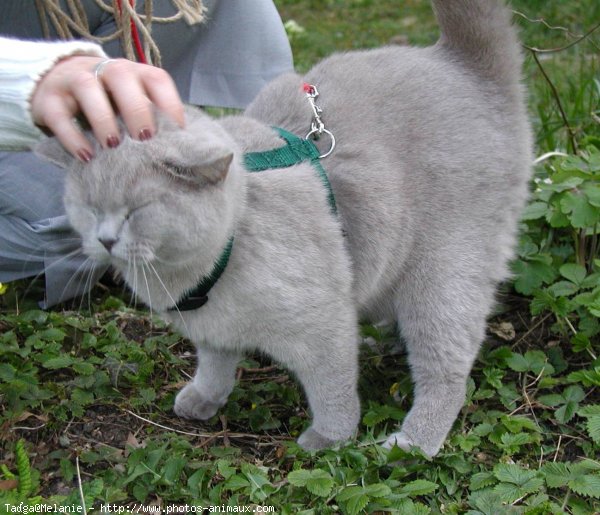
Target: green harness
(296,151)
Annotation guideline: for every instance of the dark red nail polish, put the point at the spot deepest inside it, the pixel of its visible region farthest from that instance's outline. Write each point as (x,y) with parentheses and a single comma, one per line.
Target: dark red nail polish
(84,155)
(112,142)
(144,134)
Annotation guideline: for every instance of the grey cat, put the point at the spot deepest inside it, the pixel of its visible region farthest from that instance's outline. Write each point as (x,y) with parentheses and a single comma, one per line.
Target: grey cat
(430,174)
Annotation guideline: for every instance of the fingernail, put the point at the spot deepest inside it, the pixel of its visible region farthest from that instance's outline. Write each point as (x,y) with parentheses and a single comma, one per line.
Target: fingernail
(112,142)
(84,155)
(144,134)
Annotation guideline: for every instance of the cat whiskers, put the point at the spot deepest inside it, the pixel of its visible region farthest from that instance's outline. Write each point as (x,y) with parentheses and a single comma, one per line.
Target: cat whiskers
(70,255)
(143,268)
(88,282)
(131,264)
(156,274)
(85,274)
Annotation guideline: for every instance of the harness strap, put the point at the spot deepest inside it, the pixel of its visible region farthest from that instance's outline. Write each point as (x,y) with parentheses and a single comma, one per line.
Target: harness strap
(197,297)
(296,151)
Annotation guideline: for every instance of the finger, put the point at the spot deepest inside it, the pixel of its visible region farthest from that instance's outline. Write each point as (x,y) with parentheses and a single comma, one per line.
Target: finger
(162,91)
(128,93)
(58,117)
(95,105)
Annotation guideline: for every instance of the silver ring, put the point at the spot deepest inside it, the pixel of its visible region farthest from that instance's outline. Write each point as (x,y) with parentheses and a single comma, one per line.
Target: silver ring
(315,132)
(99,68)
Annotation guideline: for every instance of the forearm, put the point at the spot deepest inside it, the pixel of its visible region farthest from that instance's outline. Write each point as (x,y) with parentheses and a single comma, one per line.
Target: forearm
(22,64)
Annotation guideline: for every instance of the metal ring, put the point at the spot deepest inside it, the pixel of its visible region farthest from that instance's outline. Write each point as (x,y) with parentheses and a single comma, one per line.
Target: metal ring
(99,68)
(321,131)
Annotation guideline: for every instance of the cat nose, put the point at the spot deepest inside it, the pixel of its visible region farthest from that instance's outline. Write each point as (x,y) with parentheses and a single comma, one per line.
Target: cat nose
(108,243)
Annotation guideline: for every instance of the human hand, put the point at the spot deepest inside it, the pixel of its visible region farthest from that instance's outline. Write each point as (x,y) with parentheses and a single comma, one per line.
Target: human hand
(73,86)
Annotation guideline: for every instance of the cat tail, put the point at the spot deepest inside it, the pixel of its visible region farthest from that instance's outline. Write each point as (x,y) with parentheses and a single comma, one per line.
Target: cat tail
(480,33)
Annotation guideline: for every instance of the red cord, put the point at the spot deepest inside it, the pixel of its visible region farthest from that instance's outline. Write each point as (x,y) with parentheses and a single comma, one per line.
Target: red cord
(135,35)
(308,88)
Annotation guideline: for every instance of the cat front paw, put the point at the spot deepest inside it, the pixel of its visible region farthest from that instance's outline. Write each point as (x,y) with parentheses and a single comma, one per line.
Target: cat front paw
(191,404)
(310,440)
(402,440)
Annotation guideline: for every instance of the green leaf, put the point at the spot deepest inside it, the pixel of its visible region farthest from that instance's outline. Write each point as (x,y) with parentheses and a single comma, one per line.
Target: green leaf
(533,361)
(580,342)
(566,412)
(588,485)
(590,410)
(7,372)
(378,414)
(510,473)
(378,490)
(533,273)
(516,423)
(517,362)
(318,482)
(299,477)
(354,498)
(82,397)
(564,289)
(172,470)
(556,474)
(487,502)
(592,413)
(592,192)
(573,272)
(509,492)
(582,213)
(481,480)
(83,368)
(64,361)
(514,441)
(534,211)
(467,442)
(574,393)
(553,399)
(237,482)
(52,334)
(418,487)
(586,377)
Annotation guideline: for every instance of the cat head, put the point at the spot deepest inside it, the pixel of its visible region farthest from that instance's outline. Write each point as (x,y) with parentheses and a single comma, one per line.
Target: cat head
(167,201)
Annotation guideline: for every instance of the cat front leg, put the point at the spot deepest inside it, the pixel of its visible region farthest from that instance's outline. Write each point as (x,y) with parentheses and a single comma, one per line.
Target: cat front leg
(327,368)
(214,379)
(334,405)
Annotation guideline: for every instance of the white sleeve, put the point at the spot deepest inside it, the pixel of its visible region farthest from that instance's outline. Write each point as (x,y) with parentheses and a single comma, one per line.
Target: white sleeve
(22,64)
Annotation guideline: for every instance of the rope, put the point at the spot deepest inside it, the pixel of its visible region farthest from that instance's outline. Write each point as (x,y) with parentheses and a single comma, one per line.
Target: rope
(133,29)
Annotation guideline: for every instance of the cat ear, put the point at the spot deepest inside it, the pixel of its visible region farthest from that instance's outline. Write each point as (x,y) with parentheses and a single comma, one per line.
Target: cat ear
(212,171)
(51,150)
(216,170)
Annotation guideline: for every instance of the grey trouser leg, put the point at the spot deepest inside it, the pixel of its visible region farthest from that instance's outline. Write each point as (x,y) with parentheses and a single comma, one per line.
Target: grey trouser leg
(35,236)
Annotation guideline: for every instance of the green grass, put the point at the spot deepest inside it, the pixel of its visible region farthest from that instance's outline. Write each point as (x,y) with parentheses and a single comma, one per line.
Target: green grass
(94,388)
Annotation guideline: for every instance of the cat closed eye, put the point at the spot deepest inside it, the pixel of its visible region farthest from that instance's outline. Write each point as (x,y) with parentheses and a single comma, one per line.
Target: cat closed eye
(135,210)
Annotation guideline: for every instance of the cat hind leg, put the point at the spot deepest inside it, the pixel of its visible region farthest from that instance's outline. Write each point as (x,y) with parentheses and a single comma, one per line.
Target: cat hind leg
(443,324)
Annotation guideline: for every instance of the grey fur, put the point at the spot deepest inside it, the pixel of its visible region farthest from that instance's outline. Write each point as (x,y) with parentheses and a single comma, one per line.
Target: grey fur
(430,176)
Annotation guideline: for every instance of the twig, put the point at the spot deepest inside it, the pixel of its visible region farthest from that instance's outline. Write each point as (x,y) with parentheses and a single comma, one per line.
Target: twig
(201,435)
(548,155)
(25,428)
(556,96)
(80,485)
(557,448)
(560,49)
(589,351)
(531,329)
